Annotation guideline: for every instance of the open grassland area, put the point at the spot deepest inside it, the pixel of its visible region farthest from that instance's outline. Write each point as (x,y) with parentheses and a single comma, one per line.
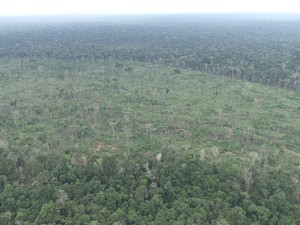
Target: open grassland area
(102,140)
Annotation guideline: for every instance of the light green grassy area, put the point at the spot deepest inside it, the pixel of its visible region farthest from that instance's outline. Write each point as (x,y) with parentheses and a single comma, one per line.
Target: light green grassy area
(71,107)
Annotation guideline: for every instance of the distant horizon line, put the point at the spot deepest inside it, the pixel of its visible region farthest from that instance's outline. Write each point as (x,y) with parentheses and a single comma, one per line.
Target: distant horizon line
(152,14)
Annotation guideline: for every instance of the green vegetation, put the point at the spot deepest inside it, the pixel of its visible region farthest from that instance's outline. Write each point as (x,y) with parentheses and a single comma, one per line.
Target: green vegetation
(89,137)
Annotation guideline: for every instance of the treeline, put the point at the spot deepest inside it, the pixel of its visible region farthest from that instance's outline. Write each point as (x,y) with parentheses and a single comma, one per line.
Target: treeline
(259,51)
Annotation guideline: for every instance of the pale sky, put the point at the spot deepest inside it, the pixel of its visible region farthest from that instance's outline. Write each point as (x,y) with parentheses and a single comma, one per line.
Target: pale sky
(46,7)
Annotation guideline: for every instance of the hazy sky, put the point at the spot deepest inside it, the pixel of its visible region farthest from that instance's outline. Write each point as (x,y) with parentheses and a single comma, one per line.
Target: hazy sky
(38,7)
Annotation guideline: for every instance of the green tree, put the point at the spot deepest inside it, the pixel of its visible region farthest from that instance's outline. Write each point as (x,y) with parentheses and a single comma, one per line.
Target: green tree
(5,218)
(237,216)
(48,214)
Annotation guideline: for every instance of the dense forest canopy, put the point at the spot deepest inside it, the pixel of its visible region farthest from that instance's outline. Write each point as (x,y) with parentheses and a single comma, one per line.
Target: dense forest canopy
(150,120)
(261,50)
